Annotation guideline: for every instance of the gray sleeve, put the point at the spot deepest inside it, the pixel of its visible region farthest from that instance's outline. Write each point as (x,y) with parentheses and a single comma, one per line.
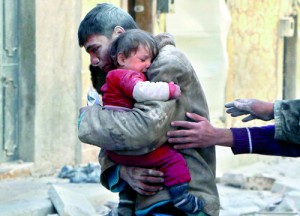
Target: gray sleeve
(138,131)
(287,120)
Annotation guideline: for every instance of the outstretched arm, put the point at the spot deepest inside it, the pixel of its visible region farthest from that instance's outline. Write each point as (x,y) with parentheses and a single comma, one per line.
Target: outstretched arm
(285,113)
(252,140)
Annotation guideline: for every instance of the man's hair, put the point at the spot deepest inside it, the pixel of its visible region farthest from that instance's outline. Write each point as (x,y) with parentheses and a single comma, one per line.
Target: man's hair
(129,42)
(102,20)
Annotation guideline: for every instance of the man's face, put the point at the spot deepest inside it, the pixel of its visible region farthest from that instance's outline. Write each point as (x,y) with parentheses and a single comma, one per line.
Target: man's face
(98,46)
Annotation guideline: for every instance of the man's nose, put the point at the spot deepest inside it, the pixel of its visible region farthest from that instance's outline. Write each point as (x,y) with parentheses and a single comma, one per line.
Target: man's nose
(94,61)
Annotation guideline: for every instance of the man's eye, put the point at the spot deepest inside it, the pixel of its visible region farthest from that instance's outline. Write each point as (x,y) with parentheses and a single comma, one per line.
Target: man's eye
(96,49)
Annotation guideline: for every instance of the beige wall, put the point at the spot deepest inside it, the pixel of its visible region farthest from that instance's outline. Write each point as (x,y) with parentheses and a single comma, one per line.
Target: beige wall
(57,87)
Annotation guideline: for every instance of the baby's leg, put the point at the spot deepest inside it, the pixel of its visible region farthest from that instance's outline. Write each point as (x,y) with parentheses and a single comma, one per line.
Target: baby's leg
(127,199)
(184,200)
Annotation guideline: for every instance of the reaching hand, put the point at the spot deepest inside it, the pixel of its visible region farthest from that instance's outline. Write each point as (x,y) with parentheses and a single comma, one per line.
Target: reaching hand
(197,134)
(144,181)
(255,109)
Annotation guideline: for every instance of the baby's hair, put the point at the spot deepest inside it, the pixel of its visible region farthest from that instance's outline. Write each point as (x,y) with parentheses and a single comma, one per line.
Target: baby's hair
(129,42)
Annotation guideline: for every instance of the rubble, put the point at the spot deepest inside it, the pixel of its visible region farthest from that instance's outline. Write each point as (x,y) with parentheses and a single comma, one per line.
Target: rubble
(262,189)
(88,174)
(70,203)
(12,170)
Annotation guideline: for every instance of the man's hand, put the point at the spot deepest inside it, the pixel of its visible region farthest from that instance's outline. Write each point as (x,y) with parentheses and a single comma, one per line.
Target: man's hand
(197,134)
(144,181)
(255,109)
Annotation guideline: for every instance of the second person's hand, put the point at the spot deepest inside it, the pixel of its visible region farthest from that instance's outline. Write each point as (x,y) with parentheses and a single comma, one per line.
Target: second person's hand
(255,109)
(198,134)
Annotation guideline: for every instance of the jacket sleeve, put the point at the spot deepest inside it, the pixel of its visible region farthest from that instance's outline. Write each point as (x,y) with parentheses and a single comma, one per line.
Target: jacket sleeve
(128,80)
(287,120)
(146,91)
(260,140)
(138,131)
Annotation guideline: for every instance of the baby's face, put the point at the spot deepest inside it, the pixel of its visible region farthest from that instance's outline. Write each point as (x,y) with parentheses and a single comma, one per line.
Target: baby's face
(139,61)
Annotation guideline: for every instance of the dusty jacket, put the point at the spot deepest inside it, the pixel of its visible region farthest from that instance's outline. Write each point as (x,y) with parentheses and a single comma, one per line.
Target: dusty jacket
(287,120)
(145,128)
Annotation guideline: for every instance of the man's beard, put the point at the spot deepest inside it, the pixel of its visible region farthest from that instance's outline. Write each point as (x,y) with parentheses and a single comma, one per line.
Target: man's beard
(97,77)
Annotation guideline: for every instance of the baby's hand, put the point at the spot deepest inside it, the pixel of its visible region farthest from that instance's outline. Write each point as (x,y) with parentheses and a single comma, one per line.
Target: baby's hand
(175,91)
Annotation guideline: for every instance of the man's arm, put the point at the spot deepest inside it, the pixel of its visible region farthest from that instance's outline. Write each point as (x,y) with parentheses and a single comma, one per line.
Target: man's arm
(138,131)
(252,140)
(285,112)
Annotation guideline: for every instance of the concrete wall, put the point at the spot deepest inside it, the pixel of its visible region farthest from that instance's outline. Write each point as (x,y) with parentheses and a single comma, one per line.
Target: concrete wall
(50,83)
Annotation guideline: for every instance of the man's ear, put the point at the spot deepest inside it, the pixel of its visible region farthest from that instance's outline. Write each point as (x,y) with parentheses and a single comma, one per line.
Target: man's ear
(121,59)
(117,31)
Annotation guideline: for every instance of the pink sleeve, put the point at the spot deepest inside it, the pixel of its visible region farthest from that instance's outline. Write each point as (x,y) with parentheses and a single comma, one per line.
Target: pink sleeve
(129,80)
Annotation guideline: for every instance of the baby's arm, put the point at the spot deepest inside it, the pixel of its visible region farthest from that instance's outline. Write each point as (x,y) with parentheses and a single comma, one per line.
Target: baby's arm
(146,91)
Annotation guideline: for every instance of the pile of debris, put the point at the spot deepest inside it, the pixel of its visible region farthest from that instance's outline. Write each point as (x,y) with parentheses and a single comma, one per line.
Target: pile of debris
(262,189)
(89,173)
(78,197)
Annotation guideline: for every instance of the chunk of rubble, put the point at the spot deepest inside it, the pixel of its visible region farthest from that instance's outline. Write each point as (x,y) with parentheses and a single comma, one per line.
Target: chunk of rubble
(262,189)
(70,203)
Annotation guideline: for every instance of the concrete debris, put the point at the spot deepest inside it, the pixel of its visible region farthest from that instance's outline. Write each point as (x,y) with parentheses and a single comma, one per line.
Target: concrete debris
(294,195)
(262,189)
(13,170)
(70,203)
(258,182)
(83,174)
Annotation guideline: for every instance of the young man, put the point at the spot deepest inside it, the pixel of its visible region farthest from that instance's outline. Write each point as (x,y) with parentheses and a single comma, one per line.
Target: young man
(144,128)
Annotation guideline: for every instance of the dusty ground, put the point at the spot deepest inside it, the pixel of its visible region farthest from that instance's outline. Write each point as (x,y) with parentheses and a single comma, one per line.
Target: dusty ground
(249,190)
